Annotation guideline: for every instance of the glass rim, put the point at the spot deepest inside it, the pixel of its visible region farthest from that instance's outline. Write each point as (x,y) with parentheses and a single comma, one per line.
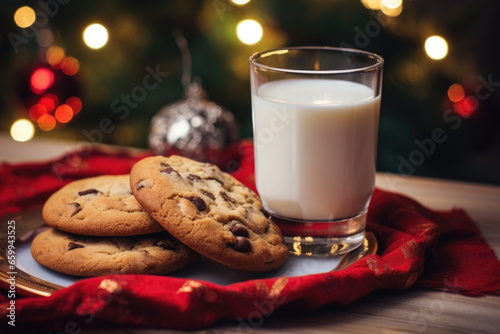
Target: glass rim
(379,61)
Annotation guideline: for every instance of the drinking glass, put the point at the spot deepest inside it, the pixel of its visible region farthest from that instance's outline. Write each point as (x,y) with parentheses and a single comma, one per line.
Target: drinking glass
(315,113)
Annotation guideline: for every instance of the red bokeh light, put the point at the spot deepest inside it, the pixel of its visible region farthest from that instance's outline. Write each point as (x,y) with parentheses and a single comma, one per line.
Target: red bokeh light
(466,106)
(50,101)
(41,80)
(46,122)
(75,104)
(37,111)
(64,113)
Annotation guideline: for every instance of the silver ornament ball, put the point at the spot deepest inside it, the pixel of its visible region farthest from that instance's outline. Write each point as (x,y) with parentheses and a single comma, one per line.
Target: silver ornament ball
(194,127)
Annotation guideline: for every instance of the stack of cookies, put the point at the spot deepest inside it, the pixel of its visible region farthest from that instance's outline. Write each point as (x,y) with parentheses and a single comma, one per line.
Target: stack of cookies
(156,221)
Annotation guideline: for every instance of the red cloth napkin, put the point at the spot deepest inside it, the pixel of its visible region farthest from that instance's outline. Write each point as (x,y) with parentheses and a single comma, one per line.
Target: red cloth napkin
(418,247)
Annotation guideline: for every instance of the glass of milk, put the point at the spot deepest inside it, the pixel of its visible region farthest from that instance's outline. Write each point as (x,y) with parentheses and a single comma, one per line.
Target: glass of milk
(315,123)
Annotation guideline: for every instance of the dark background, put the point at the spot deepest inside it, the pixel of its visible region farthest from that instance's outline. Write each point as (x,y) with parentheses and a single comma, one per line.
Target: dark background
(414,98)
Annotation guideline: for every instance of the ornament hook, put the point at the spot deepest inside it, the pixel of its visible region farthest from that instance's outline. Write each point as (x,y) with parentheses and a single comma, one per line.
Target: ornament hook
(185,56)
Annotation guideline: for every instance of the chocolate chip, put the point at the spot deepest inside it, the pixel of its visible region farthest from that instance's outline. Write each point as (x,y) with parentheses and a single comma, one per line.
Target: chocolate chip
(267,227)
(167,170)
(238,229)
(165,244)
(144,184)
(199,202)
(242,245)
(208,194)
(216,179)
(226,197)
(72,209)
(73,245)
(193,177)
(89,191)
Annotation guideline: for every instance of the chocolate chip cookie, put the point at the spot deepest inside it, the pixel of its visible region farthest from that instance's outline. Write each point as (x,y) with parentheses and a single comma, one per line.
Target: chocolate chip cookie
(77,255)
(209,211)
(98,206)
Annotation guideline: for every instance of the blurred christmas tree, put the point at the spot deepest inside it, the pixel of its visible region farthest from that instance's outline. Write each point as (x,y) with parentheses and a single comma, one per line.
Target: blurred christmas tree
(440,110)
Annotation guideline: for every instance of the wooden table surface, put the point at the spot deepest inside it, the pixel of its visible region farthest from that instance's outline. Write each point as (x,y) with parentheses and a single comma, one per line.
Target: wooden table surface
(413,311)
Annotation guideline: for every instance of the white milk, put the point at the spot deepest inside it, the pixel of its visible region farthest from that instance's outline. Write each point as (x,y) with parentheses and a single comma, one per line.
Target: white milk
(315,147)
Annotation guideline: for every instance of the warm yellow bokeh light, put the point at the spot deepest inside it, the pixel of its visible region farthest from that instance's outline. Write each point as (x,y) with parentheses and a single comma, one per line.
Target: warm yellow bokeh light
(391,4)
(249,31)
(22,130)
(436,47)
(371,4)
(54,55)
(241,2)
(391,11)
(24,17)
(95,36)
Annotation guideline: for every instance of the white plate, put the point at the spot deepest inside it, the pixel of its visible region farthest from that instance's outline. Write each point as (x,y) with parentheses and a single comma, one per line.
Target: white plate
(33,278)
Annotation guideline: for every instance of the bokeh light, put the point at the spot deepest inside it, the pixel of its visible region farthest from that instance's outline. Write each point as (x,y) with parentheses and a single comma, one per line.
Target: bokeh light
(371,4)
(95,36)
(64,113)
(241,2)
(45,37)
(456,92)
(54,55)
(50,102)
(24,17)
(22,130)
(75,104)
(41,80)
(46,122)
(392,4)
(436,47)
(70,66)
(37,111)
(249,31)
(391,8)
(466,106)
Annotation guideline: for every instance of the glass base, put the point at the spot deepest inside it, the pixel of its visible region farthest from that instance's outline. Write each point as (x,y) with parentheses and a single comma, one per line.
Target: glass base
(322,238)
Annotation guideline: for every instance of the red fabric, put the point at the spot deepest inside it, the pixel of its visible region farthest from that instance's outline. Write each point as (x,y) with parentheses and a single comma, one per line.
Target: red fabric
(418,247)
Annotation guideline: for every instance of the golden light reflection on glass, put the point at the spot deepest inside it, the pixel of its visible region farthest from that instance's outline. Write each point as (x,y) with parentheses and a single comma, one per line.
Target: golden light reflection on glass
(334,249)
(249,31)
(297,248)
(436,47)
(241,2)
(24,17)
(95,36)
(456,92)
(366,244)
(371,4)
(22,130)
